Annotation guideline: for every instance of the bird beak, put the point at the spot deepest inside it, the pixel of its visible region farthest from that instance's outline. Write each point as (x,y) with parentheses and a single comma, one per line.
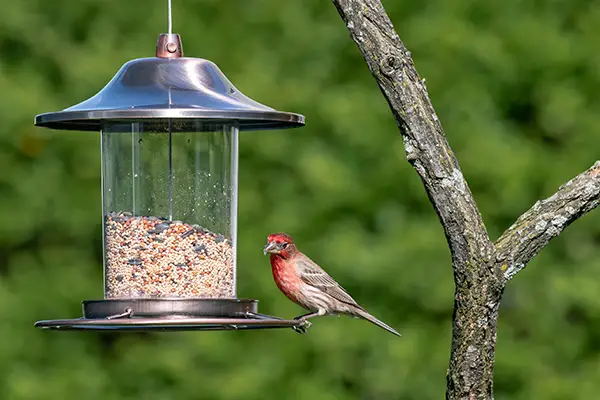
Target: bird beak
(269,247)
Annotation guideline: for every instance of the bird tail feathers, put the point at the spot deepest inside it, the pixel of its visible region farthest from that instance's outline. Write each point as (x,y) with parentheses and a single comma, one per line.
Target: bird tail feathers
(365,315)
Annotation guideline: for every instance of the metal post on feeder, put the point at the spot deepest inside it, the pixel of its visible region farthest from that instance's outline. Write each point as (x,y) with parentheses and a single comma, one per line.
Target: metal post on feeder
(169,145)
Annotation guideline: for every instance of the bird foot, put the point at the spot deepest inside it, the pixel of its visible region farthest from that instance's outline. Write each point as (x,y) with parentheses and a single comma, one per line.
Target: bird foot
(303,327)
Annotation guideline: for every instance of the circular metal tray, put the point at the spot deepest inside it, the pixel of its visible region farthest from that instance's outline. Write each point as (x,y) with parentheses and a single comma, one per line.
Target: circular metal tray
(167,324)
(169,315)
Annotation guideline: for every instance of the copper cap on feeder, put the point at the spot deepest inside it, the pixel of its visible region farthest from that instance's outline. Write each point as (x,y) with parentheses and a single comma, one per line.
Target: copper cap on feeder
(169,46)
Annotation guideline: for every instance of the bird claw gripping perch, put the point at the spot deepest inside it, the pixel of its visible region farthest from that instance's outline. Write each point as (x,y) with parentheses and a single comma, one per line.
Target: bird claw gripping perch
(303,327)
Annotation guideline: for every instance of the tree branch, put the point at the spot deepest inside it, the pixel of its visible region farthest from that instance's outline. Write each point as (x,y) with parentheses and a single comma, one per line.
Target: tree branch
(478,279)
(481,269)
(546,220)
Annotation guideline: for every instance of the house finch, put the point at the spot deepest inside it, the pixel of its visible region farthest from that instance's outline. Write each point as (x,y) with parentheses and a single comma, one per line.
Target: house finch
(306,284)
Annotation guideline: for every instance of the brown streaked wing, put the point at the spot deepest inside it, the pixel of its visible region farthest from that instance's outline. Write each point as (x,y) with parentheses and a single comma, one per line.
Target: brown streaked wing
(313,275)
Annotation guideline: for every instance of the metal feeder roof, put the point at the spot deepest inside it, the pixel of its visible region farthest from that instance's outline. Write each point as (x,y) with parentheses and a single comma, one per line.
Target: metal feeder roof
(169,86)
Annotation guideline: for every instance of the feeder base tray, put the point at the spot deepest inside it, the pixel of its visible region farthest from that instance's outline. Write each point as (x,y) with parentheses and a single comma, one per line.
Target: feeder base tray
(169,315)
(167,324)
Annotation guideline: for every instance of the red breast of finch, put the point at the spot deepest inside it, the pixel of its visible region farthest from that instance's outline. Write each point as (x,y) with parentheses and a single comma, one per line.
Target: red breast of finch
(309,286)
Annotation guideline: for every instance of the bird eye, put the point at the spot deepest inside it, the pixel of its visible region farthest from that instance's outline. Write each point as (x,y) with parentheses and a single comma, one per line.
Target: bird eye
(285,245)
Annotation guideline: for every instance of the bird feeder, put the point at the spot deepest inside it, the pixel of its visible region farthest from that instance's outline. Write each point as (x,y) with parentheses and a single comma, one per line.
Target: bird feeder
(169,130)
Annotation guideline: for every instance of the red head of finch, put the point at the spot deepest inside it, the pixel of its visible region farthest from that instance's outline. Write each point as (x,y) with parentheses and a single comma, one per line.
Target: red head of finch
(308,285)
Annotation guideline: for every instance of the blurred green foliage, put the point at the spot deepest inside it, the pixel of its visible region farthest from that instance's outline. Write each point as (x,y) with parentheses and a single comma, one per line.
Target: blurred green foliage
(516,85)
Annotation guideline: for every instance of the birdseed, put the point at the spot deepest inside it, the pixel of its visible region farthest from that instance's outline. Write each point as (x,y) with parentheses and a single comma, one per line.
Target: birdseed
(150,257)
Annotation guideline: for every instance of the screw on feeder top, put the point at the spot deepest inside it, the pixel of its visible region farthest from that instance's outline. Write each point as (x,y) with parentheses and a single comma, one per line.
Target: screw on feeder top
(169,46)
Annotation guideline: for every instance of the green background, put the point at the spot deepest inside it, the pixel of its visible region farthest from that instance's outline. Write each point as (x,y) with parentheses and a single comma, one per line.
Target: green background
(516,86)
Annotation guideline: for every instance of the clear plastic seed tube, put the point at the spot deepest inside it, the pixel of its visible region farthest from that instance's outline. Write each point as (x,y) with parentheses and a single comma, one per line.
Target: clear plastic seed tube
(169,201)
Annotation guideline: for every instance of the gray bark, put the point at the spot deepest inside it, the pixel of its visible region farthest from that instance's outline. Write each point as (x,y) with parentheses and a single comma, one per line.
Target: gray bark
(481,269)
